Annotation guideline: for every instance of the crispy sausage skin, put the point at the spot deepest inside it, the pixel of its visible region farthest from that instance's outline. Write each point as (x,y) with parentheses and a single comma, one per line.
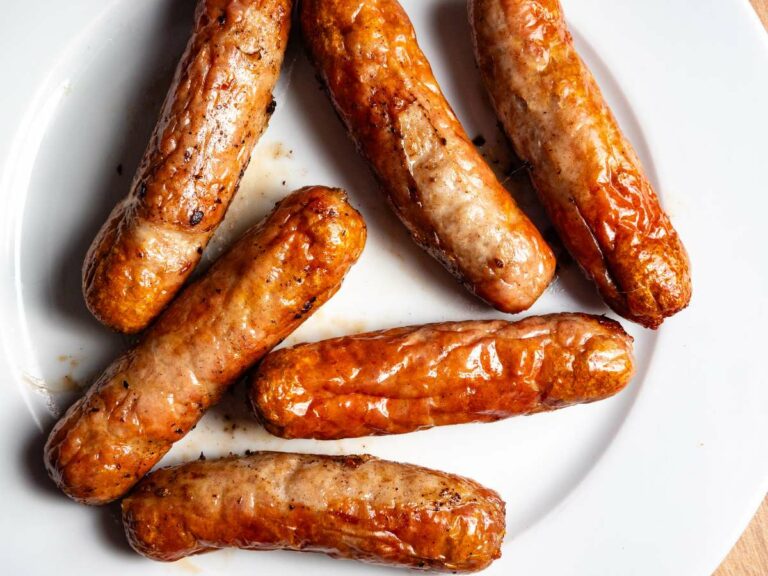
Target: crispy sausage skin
(408,379)
(260,291)
(449,199)
(348,506)
(586,172)
(216,109)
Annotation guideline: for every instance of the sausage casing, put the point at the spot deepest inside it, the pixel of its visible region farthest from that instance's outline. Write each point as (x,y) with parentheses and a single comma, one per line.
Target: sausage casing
(217,107)
(587,174)
(260,291)
(407,379)
(446,195)
(348,506)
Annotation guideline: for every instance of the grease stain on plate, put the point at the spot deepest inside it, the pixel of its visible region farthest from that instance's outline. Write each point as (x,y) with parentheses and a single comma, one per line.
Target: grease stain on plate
(188,567)
(268,179)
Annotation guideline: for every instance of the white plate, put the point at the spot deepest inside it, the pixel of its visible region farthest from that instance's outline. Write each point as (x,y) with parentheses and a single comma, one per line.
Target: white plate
(659,480)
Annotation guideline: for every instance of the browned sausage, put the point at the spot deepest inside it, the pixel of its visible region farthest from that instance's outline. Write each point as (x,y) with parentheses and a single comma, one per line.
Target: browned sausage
(217,107)
(347,506)
(440,187)
(586,172)
(260,291)
(409,379)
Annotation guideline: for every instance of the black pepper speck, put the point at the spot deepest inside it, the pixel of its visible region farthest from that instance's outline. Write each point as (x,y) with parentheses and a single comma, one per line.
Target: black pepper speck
(196,218)
(479,140)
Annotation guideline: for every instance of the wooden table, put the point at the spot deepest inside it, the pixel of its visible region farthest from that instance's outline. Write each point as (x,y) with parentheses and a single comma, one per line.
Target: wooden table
(750,555)
(761,7)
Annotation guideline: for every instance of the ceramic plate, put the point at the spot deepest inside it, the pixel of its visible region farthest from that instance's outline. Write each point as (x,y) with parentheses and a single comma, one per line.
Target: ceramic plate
(658,480)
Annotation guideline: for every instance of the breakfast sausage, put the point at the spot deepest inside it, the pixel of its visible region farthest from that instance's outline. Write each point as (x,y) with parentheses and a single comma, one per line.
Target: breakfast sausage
(408,379)
(217,107)
(587,174)
(346,506)
(438,184)
(260,291)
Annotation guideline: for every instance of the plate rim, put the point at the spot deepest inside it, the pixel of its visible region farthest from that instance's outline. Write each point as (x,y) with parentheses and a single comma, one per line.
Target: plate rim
(672,333)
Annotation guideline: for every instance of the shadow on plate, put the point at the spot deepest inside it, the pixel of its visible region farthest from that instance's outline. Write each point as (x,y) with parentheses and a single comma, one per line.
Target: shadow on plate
(113,180)
(451,31)
(108,522)
(31,464)
(109,526)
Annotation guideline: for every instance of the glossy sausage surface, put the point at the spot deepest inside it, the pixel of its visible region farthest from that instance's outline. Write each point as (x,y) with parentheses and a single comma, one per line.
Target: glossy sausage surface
(586,172)
(412,378)
(217,107)
(347,506)
(438,184)
(254,296)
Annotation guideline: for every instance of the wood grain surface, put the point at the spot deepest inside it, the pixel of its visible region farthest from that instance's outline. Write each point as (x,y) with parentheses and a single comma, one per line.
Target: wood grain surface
(761,7)
(750,555)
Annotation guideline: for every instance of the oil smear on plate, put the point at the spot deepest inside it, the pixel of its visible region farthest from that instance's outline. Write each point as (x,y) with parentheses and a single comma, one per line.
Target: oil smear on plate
(268,179)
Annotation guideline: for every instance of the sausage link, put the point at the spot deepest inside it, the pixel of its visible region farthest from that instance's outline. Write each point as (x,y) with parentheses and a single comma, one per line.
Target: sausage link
(218,105)
(413,378)
(446,195)
(348,506)
(586,172)
(260,291)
